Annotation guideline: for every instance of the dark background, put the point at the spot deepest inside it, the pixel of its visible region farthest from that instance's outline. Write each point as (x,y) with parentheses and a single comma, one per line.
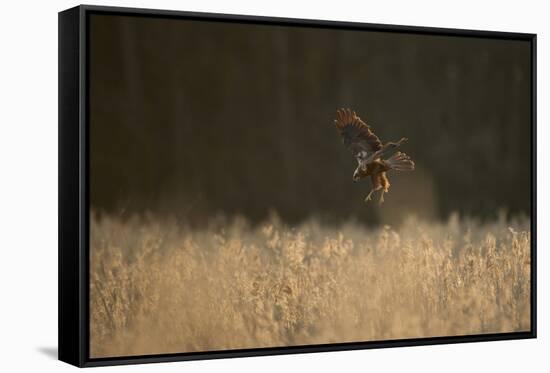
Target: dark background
(200,118)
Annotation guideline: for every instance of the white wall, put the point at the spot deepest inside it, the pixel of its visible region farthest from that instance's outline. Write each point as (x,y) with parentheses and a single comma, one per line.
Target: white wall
(28,182)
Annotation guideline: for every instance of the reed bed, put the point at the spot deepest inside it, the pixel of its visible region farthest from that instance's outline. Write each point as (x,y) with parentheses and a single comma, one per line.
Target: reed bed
(159,286)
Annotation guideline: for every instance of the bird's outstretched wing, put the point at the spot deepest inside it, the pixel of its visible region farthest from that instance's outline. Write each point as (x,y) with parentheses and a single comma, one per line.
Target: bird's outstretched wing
(356,134)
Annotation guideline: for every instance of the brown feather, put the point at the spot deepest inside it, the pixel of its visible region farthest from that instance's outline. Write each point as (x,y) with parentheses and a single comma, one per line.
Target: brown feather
(356,134)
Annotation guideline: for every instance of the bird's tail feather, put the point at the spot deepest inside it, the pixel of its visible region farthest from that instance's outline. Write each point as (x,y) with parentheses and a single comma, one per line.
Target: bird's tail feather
(400,162)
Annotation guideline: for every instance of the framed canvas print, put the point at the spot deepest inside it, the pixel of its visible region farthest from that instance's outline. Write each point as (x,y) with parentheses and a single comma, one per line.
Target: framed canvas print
(238,186)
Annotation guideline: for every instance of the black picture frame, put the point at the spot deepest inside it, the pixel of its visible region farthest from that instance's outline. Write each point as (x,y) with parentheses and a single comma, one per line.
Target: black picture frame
(74,187)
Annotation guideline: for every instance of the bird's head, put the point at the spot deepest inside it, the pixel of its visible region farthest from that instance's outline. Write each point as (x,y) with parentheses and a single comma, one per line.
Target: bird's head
(356,175)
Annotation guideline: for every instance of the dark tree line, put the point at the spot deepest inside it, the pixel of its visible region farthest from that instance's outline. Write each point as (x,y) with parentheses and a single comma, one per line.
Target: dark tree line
(196,118)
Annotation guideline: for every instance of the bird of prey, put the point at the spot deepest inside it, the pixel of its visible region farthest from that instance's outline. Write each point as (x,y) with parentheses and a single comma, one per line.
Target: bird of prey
(370,153)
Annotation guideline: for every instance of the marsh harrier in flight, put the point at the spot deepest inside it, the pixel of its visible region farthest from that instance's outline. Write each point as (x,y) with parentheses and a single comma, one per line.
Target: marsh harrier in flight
(370,152)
